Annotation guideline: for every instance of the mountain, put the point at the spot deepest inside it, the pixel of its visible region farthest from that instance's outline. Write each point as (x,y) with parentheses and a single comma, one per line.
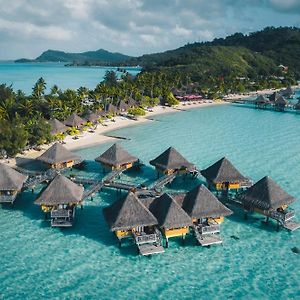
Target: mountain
(259,53)
(98,56)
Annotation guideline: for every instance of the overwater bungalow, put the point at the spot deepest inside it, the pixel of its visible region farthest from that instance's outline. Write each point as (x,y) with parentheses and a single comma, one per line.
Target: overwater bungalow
(117,158)
(280,103)
(266,197)
(171,161)
(223,176)
(206,213)
(57,127)
(261,102)
(288,92)
(274,97)
(297,106)
(11,183)
(60,199)
(173,221)
(74,121)
(129,218)
(59,157)
(122,106)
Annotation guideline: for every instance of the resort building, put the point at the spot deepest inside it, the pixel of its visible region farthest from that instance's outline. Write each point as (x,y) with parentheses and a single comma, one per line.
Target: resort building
(223,176)
(11,182)
(111,109)
(206,213)
(173,221)
(171,161)
(129,218)
(132,103)
(116,158)
(266,197)
(280,103)
(261,102)
(288,92)
(91,117)
(60,199)
(58,157)
(122,106)
(74,121)
(57,127)
(274,97)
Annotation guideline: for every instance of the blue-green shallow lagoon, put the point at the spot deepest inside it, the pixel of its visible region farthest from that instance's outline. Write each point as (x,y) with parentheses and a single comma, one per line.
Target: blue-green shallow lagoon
(85,262)
(23,76)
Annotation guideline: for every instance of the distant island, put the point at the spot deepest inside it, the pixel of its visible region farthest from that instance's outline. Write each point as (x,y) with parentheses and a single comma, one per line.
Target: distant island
(101,57)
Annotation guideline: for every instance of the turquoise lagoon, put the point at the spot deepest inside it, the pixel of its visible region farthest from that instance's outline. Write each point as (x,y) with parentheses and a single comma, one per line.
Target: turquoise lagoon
(24,75)
(38,262)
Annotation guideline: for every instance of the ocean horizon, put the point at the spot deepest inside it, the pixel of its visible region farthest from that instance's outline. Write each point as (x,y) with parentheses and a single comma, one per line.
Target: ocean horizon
(23,76)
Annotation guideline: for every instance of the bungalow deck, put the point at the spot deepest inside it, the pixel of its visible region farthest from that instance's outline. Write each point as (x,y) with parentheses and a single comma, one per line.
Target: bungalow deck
(207,235)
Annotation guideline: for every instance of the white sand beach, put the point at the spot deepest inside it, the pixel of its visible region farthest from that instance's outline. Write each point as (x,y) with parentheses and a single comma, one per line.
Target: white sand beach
(88,139)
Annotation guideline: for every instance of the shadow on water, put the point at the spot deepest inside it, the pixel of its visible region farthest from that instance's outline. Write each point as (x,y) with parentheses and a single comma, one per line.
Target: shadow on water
(253,220)
(30,164)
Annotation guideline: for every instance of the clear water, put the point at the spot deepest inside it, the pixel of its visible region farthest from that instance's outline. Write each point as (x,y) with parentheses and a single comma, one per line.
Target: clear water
(85,262)
(24,75)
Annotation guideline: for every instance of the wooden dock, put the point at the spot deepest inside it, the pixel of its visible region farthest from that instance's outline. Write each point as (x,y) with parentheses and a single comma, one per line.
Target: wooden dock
(291,225)
(208,236)
(149,249)
(163,181)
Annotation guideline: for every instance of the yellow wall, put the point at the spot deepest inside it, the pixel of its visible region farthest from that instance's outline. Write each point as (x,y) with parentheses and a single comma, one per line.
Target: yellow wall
(221,186)
(218,220)
(68,164)
(175,232)
(123,233)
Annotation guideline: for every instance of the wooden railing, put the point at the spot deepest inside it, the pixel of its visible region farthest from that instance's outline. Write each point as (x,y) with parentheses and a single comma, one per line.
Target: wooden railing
(208,229)
(61,213)
(145,238)
(7,198)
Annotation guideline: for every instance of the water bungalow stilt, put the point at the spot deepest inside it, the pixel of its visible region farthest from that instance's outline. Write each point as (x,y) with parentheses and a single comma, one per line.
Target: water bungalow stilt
(117,158)
(171,161)
(11,183)
(57,127)
(129,218)
(267,198)
(74,121)
(59,157)
(223,176)
(173,221)
(59,199)
(261,102)
(206,212)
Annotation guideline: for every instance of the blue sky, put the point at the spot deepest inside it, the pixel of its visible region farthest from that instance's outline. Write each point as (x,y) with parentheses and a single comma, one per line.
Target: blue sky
(133,27)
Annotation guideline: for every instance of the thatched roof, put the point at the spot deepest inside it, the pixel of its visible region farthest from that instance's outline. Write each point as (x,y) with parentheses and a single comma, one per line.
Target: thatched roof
(122,106)
(116,155)
(91,116)
(297,106)
(274,97)
(223,171)
(60,190)
(131,102)
(10,179)
(266,194)
(288,92)
(171,159)
(281,101)
(57,126)
(169,213)
(261,100)
(109,108)
(128,213)
(74,121)
(201,203)
(57,153)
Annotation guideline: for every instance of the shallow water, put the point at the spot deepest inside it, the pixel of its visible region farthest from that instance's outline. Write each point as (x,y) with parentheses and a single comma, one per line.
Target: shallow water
(85,262)
(23,76)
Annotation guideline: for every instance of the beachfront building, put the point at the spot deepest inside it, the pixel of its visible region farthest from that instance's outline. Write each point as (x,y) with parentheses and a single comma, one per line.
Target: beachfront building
(59,199)
(57,127)
(206,213)
(11,183)
(110,109)
(280,103)
(132,103)
(91,117)
(117,158)
(266,197)
(74,121)
(173,221)
(122,106)
(171,161)
(129,218)
(58,157)
(223,176)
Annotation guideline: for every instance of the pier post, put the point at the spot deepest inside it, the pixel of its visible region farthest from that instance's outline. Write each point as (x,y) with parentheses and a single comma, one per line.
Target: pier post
(267,220)
(167,243)
(246,216)
(183,239)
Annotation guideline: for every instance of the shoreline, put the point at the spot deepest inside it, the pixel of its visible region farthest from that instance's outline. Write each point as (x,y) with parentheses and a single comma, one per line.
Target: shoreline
(88,139)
